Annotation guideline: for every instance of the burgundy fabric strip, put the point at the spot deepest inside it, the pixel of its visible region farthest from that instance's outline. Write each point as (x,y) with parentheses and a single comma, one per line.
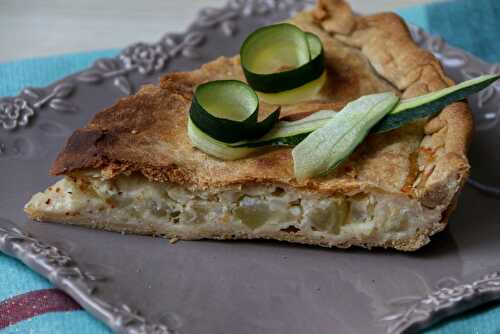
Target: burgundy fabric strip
(31,304)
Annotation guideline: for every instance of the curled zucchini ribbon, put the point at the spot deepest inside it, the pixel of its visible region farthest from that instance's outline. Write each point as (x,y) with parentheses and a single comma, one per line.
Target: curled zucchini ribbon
(227,111)
(281,58)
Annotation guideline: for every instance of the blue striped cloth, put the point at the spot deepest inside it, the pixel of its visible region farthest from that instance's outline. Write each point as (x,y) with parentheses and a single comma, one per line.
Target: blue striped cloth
(473,25)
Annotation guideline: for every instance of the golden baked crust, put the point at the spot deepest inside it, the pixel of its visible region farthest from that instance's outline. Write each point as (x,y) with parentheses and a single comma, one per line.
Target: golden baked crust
(426,160)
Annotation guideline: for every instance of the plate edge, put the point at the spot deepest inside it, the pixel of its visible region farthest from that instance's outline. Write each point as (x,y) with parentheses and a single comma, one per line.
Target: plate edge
(64,273)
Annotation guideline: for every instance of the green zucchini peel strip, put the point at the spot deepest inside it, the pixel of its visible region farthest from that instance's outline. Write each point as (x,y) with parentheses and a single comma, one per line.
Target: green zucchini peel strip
(431,104)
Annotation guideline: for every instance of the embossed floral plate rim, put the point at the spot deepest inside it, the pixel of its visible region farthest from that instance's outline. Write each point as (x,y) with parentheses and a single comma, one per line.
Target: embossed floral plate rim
(142,59)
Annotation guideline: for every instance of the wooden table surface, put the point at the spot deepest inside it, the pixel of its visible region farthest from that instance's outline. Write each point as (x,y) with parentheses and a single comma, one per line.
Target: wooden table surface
(34,28)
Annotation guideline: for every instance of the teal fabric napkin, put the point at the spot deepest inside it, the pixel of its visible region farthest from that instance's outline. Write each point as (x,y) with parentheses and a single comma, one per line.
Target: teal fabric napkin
(473,25)
(30,304)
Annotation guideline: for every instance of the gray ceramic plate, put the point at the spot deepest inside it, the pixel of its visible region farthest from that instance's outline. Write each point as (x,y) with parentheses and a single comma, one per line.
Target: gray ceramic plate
(144,285)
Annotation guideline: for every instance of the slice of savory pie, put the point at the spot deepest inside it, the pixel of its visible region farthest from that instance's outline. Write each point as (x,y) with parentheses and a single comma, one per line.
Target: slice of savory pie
(133,168)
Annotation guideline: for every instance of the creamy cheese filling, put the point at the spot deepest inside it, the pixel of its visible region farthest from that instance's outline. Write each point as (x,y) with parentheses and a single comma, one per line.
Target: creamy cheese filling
(259,210)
